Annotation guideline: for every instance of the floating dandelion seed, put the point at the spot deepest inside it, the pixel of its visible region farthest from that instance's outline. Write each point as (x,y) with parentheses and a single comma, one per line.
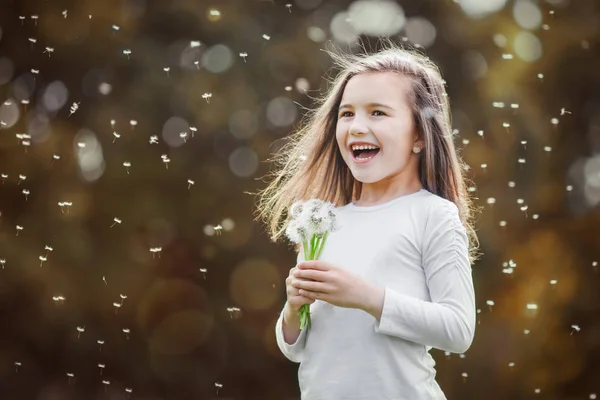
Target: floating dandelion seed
(563,111)
(117,306)
(540,76)
(569,188)
(26,143)
(81,145)
(116,28)
(289,7)
(514,106)
(19,229)
(464,376)
(154,139)
(207,96)
(491,200)
(195,43)
(123,297)
(524,143)
(100,343)
(507,56)
(288,88)
(70,376)
(42,260)
(127,164)
(183,136)
(64,13)
(35,17)
(155,250)
(112,123)
(106,384)
(63,204)
(21,178)
(546,27)
(511,364)
(595,264)
(554,121)
(193,129)
(526,331)
(532,306)
(126,331)
(17,365)
(266,37)
(203,270)
(218,229)
(26,193)
(522,161)
(490,303)
(502,223)
(116,135)
(535,216)
(22,18)
(80,330)
(592,396)
(553,282)
(576,328)
(190,183)
(127,52)
(511,184)
(55,157)
(483,166)
(32,41)
(116,221)
(465,141)
(218,386)
(506,125)
(48,249)
(49,50)
(244,55)
(104,280)
(4,177)
(74,108)
(167,69)
(547,149)
(58,299)
(133,123)
(233,312)
(2,262)
(166,160)
(498,104)
(101,366)
(197,64)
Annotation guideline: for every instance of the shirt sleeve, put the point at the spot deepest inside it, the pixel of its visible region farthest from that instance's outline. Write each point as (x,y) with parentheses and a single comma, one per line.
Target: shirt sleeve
(294,351)
(447,322)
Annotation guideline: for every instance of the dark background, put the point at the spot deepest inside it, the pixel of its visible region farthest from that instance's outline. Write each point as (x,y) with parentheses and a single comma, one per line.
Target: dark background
(185,339)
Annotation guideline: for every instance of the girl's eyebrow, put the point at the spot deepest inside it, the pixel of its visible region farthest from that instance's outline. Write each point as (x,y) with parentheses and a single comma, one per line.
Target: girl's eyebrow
(368,105)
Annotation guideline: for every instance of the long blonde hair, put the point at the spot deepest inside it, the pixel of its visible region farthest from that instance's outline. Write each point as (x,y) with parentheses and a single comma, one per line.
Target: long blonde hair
(310,165)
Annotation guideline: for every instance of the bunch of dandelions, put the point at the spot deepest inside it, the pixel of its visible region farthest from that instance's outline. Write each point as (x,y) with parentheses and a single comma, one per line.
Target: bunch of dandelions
(311,222)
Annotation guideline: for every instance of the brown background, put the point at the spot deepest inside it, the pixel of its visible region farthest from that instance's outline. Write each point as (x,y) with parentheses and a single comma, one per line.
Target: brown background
(184,338)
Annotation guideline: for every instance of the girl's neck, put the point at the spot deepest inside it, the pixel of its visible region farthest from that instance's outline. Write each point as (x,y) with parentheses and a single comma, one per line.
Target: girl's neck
(371,196)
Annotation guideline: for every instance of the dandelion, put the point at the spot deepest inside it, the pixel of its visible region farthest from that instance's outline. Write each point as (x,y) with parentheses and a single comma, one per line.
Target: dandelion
(26,193)
(167,69)
(21,178)
(289,7)
(19,229)
(183,136)
(116,136)
(49,50)
(55,157)
(195,43)
(490,303)
(80,330)
(101,366)
(194,130)
(100,343)
(203,270)
(311,222)
(576,328)
(218,386)
(42,260)
(4,177)
(166,160)
(64,13)
(127,164)
(244,55)
(70,376)
(133,123)
(116,221)
(563,111)
(266,37)
(154,139)
(2,262)
(126,331)
(127,52)
(190,183)
(116,28)
(207,96)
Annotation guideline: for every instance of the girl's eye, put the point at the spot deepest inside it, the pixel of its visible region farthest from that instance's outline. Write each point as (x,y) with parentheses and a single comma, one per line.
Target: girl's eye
(345,114)
(380,112)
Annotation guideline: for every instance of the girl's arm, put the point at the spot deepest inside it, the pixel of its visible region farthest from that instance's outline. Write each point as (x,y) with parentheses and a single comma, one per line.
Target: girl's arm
(288,326)
(448,321)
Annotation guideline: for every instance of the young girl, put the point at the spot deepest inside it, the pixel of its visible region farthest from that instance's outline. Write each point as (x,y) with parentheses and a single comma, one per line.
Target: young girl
(395,279)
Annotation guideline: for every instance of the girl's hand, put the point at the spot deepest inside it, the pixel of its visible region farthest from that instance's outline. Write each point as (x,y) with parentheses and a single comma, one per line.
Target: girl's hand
(294,298)
(332,284)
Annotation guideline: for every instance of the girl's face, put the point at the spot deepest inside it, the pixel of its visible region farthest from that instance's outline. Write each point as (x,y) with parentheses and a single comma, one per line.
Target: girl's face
(375,110)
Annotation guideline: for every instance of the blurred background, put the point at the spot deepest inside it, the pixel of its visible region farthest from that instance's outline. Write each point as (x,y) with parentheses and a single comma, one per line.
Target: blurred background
(132,131)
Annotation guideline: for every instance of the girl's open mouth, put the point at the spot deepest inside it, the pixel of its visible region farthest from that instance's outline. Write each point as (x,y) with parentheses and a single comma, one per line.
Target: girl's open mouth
(364,156)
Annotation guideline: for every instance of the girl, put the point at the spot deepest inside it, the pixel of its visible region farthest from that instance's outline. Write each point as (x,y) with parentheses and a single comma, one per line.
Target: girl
(395,280)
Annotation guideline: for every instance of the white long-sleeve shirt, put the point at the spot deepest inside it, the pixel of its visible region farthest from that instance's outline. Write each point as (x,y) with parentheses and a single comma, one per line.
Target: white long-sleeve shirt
(416,247)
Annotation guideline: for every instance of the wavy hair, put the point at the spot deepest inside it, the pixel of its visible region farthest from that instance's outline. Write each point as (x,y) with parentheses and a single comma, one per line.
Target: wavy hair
(310,165)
